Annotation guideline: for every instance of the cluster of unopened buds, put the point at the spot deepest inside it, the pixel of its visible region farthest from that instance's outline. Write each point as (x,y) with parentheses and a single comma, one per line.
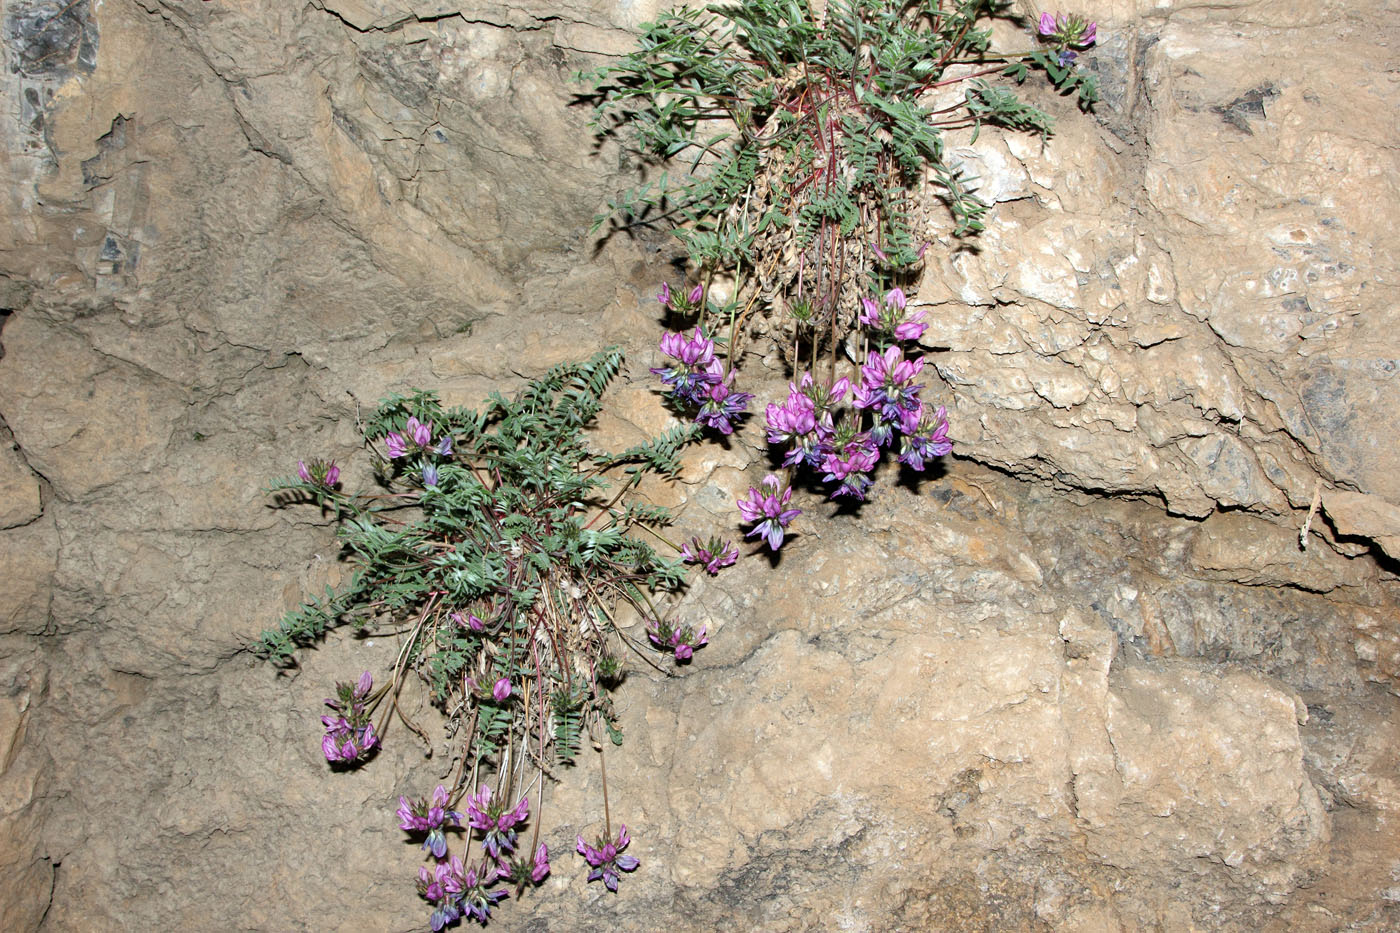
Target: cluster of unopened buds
(1068,31)
(349,734)
(454,889)
(417,437)
(322,473)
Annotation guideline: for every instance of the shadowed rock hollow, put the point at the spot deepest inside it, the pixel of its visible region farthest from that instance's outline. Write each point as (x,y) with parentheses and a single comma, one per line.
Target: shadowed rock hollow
(1083,679)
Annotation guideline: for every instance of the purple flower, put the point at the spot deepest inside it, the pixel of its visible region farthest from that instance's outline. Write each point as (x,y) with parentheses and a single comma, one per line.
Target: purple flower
(421,434)
(1047,24)
(851,465)
(302,472)
(606,859)
(429,816)
(870,313)
(804,419)
(344,745)
(501,691)
(476,900)
(453,889)
(696,294)
(444,446)
(664,296)
(398,447)
(712,555)
(495,822)
(540,867)
(925,437)
(529,871)
(721,404)
(698,370)
(911,328)
(887,384)
(468,621)
(892,316)
(767,505)
(430,475)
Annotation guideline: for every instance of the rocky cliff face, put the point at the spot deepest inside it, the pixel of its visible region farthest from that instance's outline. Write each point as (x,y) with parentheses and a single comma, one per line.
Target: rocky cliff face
(1086,679)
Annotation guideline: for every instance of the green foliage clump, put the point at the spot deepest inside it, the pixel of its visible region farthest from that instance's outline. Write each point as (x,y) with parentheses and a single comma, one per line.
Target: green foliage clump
(498,551)
(809,139)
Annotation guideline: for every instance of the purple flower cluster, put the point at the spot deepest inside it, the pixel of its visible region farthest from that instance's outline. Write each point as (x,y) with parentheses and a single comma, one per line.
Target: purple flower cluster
(349,733)
(1068,32)
(452,889)
(722,406)
(712,555)
(323,473)
(606,858)
(804,420)
(851,461)
(495,821)
(696,379)
(696,368)
(429,816)
(680,639)
(925,437)
(768,506)
(417,436)
(685,305)
(887,386)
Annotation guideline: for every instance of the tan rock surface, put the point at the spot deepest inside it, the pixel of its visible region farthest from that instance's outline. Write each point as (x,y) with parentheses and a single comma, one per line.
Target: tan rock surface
(983,705)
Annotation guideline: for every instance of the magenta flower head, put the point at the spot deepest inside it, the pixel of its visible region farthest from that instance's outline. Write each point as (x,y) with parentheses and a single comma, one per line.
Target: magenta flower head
(540,867)
(429,816)
(682,640)
(697,371)
(768,506)
(696,293)
(1066,30)
(925,437)
(302,472)
(712,555)
(501,691)
(664,296)
(720,406)
(349,734)
(887,384)
(420,433)
(495,822)
(850,463)
(606,859)
(396,445)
